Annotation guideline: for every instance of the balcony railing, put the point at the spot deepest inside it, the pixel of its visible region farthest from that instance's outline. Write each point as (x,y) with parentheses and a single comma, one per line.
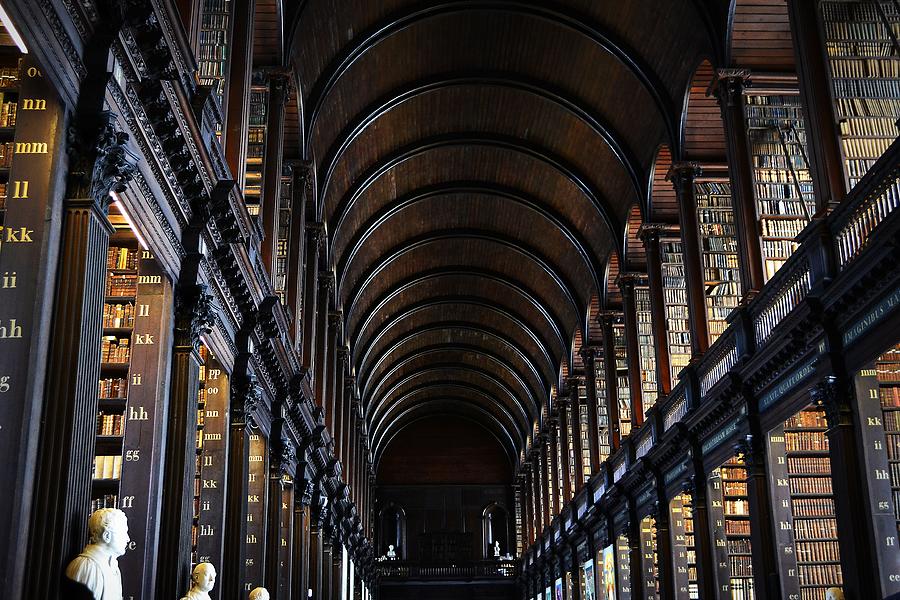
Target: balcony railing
(486,569)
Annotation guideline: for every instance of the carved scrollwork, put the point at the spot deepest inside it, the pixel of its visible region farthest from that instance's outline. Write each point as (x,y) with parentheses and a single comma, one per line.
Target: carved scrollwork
(829,397)
(113,163)
(246,396)
(195,313)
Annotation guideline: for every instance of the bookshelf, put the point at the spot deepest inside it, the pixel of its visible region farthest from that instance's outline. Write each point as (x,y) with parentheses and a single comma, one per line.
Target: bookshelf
(803,505)
(603,444)
(9,101)
(721,269)
(865,78)
(684,555)
(254,567)
(623,389)
(678,331)
(585,432)
(782,181)
(560,475)
(283,242)
(215,38)
(649,559)
(570,448)
(646,350)
(256,146)
(730,522)
(878,406)
(120,290)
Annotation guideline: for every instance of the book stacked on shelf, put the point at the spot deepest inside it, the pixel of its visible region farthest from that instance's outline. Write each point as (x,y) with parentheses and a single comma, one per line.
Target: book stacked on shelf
(105,501)
(110,424)
(118,286)
(115,351)
(118,316)
(678,330)
(888,373)
(720,259)
(256,148)
(113,388)
(7,150)
(122,259)
(860,44)
(585,432)
(107,467)
(282,244)
(649,557)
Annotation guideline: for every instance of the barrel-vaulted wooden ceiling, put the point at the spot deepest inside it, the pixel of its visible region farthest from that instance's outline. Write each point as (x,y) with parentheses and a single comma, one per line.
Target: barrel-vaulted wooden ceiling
(476,165)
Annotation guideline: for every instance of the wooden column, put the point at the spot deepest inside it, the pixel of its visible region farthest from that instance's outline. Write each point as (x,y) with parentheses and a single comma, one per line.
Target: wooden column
(589,357)
(526,505)
(682,176)
(823,143)
(335,384)
(236,103)
(650,234)
(545,480)
(301,189)
(61,493)
(193,315)
(320,365)
(762,520)
(664,554)
(729,89)
(270,198)
(300,540)
(636,566)
(552,448)
(859,565)
(563,428)
(315,240)
(609,363)
(349,406)
(627,282)
(577,441)
(281,464)
(245,396)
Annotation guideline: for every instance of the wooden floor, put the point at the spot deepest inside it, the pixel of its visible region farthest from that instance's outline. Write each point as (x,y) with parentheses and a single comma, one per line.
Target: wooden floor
(447,591)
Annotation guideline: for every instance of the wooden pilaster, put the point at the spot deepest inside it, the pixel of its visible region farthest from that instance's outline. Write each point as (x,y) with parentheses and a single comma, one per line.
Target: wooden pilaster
(612,395)
(729,88)
(682,176)
(315,240)
(236,103)
(650,234)
(762,519)
(577,442)
(627,282)
(301,189)
(321,362)
(566,466)
(270,198)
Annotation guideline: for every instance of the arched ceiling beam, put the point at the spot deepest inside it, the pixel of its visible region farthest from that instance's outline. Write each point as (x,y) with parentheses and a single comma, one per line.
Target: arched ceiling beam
(496,335)
(465,139)
(378,423)
(572,235)
(483,354)
(362,352)
(520,288)
(514,81)
(543,10)
(418,242)
(407,417)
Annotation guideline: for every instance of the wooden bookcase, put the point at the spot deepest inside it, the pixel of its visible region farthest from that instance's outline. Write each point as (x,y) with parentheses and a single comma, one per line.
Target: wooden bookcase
(649,558)
(214,42)
(603,443)
(865,78)
(782,181)
(678,329)
(623,389)
(646,349)
(256,145)
(721,268)
(730,522)
(585,432)
(283,242)
(684,555)
(803,505)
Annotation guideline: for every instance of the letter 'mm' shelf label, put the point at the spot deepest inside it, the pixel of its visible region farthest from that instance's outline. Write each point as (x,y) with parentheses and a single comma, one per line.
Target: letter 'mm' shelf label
(146,412)
(211,519)
(254,568)
(26,286)
(782,512)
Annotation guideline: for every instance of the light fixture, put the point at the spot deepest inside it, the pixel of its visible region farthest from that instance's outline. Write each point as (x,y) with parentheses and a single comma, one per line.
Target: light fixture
(128,220)
(13,32)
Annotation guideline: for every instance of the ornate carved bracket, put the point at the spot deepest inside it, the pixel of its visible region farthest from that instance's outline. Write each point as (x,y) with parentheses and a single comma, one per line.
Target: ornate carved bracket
(195,313)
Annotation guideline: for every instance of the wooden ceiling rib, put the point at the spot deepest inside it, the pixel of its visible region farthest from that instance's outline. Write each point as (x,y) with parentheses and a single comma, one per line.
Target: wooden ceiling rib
(267,34)
(704,134)
(481,167)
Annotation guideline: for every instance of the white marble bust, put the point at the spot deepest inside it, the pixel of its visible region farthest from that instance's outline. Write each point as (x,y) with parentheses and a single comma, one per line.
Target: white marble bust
(96,568)
(391,553)
(259,593)
(203,578)
(834,593)
(497,549)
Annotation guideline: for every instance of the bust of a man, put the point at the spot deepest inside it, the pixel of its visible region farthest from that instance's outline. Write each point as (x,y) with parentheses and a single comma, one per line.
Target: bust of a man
(259,593)
(497,549)
(96,568)
(391,553)
(203,578)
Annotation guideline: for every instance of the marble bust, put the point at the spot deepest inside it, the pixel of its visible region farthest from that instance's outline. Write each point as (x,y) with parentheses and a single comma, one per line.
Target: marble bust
(391,553)
(203,578)
(834,593)
(259,593)
(96,568)
(497,549)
